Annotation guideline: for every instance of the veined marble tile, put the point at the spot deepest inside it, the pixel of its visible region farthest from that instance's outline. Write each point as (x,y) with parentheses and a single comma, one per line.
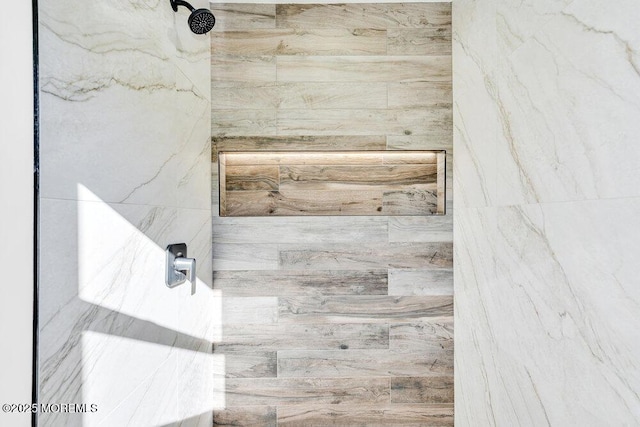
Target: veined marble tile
(125,139)
(516,21)
(569,114)
(192,51)
(549,319)
(151,403)
(474,105)
(194,162)
(568,274)
(83,142)
(474,278)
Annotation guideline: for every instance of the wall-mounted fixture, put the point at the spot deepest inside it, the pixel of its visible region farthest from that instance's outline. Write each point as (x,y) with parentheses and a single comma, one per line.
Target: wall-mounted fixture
(201,21)
(179,268)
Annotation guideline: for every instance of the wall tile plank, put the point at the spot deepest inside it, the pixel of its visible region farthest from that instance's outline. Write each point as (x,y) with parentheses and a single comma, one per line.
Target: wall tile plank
(393,255)
(363,15)
(364,309)
(421,282)
(302,283)
(423,415)
(419,41)
(422,389)
(363,363)
(318,336)
(296,142)
(246,416)
(241,69)
(328,41)
(364,68)
(287,391)
(250,364)
(234,16)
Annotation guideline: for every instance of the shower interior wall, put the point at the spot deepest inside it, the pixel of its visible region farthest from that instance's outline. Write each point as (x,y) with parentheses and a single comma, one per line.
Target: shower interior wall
(333,320)
(125,168)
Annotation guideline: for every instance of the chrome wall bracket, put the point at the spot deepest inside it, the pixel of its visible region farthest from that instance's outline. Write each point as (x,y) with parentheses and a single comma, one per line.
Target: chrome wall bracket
(179,268)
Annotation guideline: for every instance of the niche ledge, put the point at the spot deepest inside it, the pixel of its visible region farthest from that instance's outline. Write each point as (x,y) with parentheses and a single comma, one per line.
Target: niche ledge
(290,183)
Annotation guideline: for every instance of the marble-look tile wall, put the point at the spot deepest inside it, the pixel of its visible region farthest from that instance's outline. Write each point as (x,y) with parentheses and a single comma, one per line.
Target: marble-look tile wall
(546,107)
(327,320)
(125,169)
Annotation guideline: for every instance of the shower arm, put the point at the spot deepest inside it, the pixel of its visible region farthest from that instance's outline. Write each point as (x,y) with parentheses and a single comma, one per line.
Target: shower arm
(176,3)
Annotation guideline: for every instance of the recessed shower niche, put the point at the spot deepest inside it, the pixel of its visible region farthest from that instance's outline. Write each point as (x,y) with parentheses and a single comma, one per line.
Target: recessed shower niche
(332,183)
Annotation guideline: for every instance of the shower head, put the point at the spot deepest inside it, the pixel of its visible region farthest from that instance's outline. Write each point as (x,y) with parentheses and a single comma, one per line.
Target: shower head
(201,21)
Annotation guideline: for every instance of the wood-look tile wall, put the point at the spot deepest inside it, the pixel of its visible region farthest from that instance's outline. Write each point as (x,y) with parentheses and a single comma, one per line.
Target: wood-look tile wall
(334,320)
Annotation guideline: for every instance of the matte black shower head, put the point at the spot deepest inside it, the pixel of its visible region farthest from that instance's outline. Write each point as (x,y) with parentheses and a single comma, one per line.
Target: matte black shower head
(201,21)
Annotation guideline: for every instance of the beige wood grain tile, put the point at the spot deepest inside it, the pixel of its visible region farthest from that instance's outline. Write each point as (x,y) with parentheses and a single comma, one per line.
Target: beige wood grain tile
(362,363)
(375,255)
(408,157)
(287,391)
(244,256)
(233,16)
(360,158)
(287,41)
(250,364)
(420,282)
(420,41)
(351,177)
(300,283)
(420,142)
(434,389)
(320,336)
(432,95)
(425,336)
(366,415)
(296,143)
(414,201)
(352,95)
(251,177)
(363,15)
(364,309)
(435,228)
(297,158)
(244,95)
(242,69)
(246,416)
(363,122)
(300,230)
(401,68)
(243,122)
(249,310)
(300,202)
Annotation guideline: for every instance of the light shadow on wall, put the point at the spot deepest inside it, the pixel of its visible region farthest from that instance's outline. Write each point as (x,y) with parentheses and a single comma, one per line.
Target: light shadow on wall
(146,350)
